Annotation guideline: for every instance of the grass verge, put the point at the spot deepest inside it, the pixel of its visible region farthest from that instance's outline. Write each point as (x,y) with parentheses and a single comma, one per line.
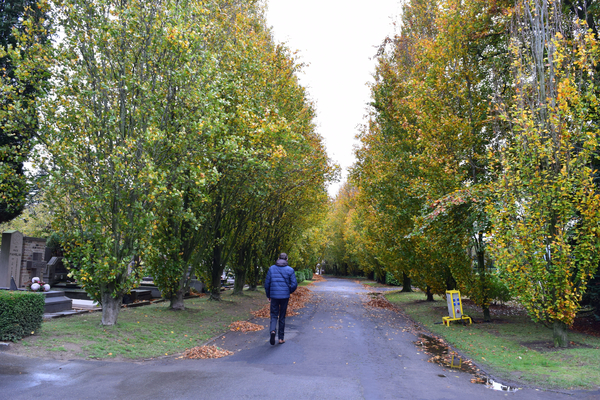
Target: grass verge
(140,333)
(375,284)
(512,347)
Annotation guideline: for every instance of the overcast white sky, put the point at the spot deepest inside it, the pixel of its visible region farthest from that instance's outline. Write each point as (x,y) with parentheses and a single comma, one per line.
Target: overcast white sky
(338,39)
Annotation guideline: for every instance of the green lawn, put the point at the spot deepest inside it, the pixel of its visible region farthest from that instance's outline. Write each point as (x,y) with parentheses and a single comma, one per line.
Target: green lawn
(512,347)
(141,332)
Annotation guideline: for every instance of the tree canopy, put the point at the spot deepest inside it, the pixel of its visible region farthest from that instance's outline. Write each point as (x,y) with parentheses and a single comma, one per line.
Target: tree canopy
(177,142)
(476,165)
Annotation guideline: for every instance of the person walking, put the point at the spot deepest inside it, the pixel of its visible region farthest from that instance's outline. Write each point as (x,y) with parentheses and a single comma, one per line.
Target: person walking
(279,285)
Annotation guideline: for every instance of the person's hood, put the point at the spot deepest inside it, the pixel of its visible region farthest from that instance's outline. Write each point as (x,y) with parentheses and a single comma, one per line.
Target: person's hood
(281,263)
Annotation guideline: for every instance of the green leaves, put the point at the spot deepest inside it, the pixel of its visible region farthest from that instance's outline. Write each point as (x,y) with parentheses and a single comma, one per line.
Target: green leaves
(545,211)
(24,64)
(126,102)
(423,167)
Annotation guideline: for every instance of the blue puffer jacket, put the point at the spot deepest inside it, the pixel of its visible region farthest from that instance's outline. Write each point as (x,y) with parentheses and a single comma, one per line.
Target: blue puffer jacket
(280,281)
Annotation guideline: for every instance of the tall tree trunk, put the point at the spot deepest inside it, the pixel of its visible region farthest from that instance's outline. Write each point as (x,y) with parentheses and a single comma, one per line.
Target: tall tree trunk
(429,294)
(177,300)
(560,334)
(485,303)
(252,275)
(253,279)
(406,283)
(216,272)
(486,314)
(110,308)
(239,282)
(450,281)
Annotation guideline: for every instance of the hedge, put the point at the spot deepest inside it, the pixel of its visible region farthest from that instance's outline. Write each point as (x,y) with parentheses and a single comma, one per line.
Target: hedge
(299,276)
(21,314)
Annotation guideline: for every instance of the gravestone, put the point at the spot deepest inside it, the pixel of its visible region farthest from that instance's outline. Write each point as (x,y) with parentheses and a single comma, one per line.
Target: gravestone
(57,302)
(197,285)
(37,266)
(32,259)
(10,257)
(55,271)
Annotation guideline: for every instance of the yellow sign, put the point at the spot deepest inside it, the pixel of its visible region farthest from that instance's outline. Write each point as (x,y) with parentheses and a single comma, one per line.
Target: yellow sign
(453,364)
(455,310)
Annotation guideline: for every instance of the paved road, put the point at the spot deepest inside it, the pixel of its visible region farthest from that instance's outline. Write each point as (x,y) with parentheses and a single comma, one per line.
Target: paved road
(336,349)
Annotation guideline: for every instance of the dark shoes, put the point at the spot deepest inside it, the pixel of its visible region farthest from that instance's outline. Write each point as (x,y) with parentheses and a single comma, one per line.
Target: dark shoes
(272,338)
(281,341)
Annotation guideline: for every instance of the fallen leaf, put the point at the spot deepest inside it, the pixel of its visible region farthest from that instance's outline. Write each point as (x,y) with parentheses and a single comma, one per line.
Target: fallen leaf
(245,326)
(204,352)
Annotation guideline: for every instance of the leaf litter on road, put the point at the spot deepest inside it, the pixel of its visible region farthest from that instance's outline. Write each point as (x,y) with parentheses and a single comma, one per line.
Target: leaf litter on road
(203,352)
(245,326)
(436,348)
(378,301)
(298,300)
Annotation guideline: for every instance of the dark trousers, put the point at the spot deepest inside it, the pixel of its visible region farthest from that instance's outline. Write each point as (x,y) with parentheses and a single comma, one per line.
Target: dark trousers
(278,310)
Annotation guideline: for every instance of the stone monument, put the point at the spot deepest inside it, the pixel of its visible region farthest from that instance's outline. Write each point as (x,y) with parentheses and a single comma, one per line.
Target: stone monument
(32,260)
(10,257)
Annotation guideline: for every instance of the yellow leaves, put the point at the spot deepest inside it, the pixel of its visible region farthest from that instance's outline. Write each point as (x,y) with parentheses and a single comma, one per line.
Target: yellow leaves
(279,152)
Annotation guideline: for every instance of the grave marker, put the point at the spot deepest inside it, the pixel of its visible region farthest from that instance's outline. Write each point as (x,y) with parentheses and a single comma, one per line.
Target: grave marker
(10,257)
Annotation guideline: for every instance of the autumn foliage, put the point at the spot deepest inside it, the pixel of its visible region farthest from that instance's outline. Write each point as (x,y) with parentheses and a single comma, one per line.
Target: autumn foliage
(477,164)
(177,141)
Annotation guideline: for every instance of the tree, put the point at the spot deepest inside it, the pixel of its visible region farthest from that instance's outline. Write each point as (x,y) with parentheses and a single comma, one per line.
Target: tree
(428,137)
(125,84)
(264,167)
(545,214)
(24,47)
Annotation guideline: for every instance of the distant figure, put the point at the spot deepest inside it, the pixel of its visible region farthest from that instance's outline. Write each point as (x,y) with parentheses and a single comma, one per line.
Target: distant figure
(279,285)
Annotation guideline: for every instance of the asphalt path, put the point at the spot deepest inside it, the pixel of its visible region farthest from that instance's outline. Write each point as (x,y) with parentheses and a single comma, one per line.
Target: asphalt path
(335,349)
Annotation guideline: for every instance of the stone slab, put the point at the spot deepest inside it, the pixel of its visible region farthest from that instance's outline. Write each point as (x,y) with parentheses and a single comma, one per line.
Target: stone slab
(85,305)
(143,294)
(58,304)
(64,314)
(79,294)
(155,292)
(10,257)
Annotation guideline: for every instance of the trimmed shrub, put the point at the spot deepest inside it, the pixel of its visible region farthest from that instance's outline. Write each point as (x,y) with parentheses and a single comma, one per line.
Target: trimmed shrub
(308,274)
(21,314)
(299,276)
(390,280)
